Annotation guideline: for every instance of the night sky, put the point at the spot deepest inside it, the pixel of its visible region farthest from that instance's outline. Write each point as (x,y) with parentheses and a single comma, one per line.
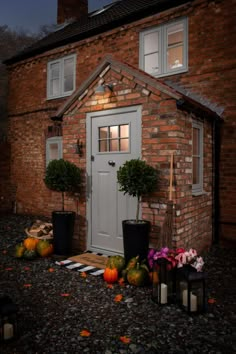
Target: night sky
(29,15)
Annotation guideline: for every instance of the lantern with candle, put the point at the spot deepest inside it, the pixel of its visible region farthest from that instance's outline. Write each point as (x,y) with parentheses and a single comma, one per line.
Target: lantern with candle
(162,282)
(191,289)
(8,319)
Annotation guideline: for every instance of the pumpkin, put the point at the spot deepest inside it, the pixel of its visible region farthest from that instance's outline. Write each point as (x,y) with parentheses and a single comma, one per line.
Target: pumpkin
(30,243)
(110,275)
(117,262)
(138,276)
(19,250)
(30,254)
(44,248)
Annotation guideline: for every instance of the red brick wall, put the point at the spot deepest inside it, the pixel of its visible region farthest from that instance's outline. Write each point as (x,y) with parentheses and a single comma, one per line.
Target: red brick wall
(211,75)
(7,193)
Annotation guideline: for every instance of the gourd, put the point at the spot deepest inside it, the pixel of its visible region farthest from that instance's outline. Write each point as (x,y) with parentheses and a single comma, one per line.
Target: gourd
(19,250)
(110,275)
(44,248)
(132,263)
(30,254)
(30,243)
(138,276)
(117,262)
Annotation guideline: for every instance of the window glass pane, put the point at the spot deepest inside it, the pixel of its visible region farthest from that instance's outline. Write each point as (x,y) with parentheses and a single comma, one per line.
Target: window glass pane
(175,34)
(54,88)
(175,57)
(196,141)
(124,131)
(151,43)
(151,63)
(196,172)
(53,151)
(55,69)
(114,132)
(103,133)
(68,74)
(124,145)
(102,145)
(114,145)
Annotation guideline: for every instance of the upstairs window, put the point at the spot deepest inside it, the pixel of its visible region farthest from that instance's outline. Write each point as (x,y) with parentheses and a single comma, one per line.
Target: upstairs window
(61,77)
(197,158)
(163,50)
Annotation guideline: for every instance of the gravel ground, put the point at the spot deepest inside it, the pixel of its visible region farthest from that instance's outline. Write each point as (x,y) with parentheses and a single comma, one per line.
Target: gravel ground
(51,323)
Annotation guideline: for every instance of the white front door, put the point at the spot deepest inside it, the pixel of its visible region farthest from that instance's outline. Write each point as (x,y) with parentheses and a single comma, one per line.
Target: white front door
(115,138)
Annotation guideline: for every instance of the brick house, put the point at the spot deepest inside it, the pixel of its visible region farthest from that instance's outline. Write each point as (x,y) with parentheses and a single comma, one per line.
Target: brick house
(167,71)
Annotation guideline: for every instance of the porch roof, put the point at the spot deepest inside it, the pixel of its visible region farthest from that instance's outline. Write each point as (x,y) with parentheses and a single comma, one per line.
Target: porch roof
(185,101)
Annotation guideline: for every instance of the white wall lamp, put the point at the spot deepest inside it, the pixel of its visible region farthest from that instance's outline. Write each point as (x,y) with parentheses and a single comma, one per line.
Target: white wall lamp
(102,88)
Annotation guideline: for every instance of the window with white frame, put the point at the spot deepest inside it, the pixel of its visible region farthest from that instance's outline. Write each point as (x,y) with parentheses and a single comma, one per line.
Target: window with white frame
(53,149)
(164,49)
(197,157)
(61,77)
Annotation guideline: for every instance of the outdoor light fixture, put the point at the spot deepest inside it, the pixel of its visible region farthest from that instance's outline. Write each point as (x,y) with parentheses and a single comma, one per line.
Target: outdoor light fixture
(79,148)
(101,89)
(191,289)
(163,282)
(8,319)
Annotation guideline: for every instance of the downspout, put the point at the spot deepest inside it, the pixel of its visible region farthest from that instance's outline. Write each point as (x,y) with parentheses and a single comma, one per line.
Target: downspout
(216,181)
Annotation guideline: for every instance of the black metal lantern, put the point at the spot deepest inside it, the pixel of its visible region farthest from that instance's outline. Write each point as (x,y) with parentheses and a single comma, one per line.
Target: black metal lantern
(163,282)
(191,289)
(8,319)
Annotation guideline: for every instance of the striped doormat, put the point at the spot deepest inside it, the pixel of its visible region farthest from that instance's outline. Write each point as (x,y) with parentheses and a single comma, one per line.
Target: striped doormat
(88,262)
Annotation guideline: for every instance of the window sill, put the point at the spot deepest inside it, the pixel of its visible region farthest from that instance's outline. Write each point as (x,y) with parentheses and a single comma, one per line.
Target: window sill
(198,193)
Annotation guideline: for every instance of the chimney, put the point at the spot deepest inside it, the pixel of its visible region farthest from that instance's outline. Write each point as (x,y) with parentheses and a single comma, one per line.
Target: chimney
(71,9)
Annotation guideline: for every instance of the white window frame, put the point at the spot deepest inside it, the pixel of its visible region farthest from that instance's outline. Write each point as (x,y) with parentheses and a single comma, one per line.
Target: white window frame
(54,140)
(61,62)
(162,49)
(197,188)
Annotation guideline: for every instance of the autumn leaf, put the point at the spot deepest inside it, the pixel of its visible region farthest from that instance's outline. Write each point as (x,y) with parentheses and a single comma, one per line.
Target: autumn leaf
(125,339)
(211,301)
(83,275)
(27,285)
(118,298)
(4,252)
(121,282)
(26,268)
(8,268)
(51,270)
(109,286)
(85,333)
(65,294)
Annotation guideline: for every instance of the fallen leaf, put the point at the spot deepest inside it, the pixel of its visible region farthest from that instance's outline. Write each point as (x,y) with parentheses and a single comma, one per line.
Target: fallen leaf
(4,252)
(85,333)
(109,286)
(121,282)
(8,268)
(51,270)
(125,339)
(211,301)
(65,294)
(83,275)
(26,268)
(118,298)
(27,285)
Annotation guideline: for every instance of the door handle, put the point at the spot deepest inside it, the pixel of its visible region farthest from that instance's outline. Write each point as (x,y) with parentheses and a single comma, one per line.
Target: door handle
(111,163)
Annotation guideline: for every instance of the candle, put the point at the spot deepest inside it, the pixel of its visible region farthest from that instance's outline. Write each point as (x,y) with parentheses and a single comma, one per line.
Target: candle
(163,293)
(7,331)
(193,300)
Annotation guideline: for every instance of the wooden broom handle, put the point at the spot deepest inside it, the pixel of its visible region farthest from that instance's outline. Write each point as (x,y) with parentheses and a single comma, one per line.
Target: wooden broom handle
(171,175)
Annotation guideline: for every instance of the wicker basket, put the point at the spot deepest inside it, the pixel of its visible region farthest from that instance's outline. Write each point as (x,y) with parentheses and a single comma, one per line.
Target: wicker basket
(43,237)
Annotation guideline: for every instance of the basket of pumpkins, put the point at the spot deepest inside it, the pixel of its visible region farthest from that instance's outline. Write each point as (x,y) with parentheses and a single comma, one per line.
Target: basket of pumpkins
(134,273)
(31,247)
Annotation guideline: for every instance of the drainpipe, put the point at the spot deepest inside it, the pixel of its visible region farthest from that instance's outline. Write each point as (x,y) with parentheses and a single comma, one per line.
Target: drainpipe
(216,181)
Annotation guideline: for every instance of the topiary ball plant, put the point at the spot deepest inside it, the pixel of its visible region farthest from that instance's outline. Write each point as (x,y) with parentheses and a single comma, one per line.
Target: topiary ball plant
(62,176)
(137,178)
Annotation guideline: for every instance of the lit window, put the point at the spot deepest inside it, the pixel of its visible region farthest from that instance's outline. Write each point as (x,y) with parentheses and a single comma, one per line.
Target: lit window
(114,138)
(197,157)
(163,50)
(61,77)
(53,149)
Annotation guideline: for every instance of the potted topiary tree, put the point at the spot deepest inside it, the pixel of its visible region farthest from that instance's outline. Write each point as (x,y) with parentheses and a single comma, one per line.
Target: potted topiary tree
(63,176)
(137,179)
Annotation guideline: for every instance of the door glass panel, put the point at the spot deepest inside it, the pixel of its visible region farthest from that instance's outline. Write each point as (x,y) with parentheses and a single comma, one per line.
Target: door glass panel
(113,138)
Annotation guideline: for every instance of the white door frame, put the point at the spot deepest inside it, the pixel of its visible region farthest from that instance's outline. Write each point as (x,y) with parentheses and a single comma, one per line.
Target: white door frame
(89,117)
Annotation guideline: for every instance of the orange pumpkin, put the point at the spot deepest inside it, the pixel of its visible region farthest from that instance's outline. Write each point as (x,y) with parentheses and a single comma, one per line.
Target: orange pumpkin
(30,243)
(44,248)
(110,275)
